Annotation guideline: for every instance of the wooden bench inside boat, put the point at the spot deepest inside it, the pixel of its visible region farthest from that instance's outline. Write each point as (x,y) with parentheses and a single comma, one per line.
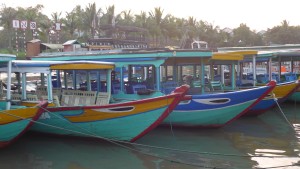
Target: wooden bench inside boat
(88,98)
(216,86)
(102,98)
(42,91)
(84,97)
(29,97)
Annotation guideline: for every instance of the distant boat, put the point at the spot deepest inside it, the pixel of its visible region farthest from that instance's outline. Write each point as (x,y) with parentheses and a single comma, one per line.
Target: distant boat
(280,93)
(15,120)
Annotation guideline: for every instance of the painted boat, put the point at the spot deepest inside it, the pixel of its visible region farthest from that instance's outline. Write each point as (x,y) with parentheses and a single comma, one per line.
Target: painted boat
(127,121)
(264,57)
(295,97)
(94,113)
(15,120)
(287,57)
(280,93)
(177,59)
(218,109)
(213,104)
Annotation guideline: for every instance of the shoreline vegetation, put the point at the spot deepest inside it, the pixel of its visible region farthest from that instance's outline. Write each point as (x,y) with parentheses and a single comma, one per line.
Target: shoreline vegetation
(161,29)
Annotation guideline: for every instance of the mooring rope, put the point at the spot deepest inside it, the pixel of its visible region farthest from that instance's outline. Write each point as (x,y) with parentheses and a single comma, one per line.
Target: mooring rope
(120,143)
(284,116)
(115,142)
(143,145)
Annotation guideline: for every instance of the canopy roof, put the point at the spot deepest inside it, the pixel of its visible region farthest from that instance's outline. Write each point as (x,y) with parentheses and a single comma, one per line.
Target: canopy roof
(29,66)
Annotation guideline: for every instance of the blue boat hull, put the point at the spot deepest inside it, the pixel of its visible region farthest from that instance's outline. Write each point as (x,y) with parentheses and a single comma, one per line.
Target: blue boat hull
(215,110)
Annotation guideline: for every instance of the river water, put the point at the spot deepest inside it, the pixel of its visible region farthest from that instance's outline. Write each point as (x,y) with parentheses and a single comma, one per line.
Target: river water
(268,141)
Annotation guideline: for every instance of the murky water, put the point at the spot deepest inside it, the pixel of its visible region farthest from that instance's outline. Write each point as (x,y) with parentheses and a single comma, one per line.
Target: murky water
(267,141)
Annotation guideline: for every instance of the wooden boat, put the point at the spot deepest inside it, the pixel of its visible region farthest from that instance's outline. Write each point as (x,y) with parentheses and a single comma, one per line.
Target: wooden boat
(217,105)
(280,93)
(14,120)
(282,90)
(295,97)
(217,109)
(177,59)
(293,58)
(93,113)
(285,56)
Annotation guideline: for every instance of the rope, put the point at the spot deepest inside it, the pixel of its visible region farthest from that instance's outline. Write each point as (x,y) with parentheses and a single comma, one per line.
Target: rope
(286,119)
(120,143)
(142,145)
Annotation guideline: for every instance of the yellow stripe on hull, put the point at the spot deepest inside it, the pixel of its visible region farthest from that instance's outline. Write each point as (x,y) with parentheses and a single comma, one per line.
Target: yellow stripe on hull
(34,103)
(103,114)
(9,116)
(282,91)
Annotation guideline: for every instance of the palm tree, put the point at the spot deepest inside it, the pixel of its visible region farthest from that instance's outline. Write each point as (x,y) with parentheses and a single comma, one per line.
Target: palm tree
(141,20)
(127,17)
(110,13)
(56,17)
(156,18)
(92,18)
(71,23)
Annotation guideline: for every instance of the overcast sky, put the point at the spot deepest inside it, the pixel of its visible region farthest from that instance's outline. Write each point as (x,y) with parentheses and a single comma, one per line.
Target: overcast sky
(256,14)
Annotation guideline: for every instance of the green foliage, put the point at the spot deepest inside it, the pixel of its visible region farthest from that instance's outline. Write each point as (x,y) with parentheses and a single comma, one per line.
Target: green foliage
(83,23)
(20,55)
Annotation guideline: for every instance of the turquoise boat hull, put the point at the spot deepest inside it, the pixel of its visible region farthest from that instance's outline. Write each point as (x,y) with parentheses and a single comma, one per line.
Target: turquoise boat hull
(12,130)
(126,121)
(124,128)
(295,97)
(15,122)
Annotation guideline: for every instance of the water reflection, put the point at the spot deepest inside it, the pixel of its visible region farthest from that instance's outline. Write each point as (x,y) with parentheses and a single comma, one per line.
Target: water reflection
(267,141)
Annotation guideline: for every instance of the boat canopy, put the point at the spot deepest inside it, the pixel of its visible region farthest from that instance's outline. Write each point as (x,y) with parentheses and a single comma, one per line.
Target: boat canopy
(30,66)
(5,66)
(7,57)
(288,56)
(227,56)
(82,65)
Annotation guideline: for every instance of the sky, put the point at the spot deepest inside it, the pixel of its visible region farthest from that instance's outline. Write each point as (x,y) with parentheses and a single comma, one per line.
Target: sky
(256,14)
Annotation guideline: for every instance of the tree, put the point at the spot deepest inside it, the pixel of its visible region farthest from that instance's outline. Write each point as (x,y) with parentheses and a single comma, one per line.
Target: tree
(141,20)
(242,36)
(127,17)
(283,34)
(7,15)
(91,18)
(155,24)
(71,23)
